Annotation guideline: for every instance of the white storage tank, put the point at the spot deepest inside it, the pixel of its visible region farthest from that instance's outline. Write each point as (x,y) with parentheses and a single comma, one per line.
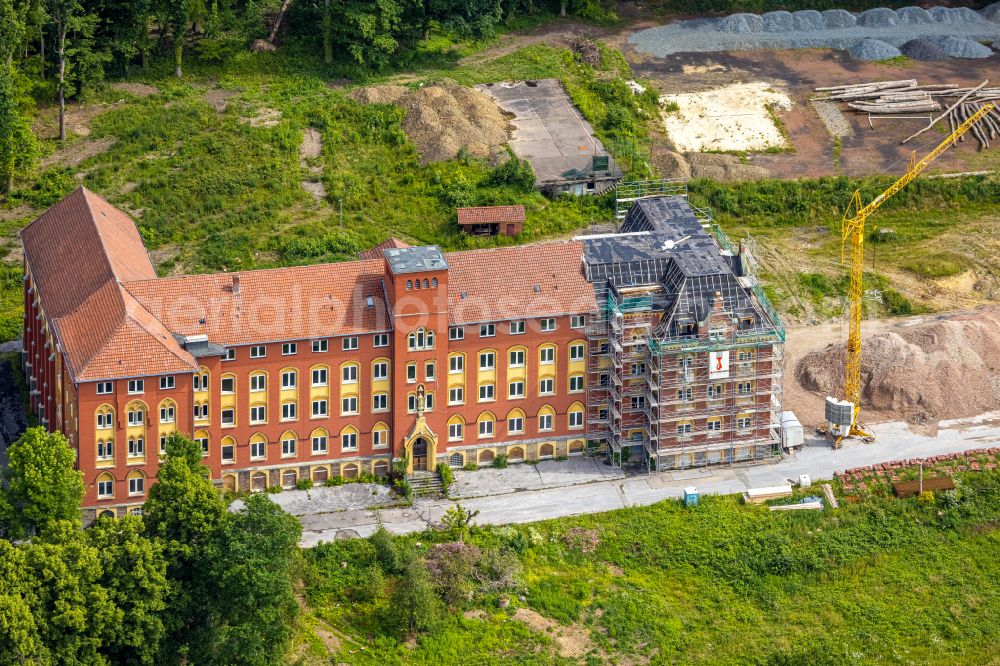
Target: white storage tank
(791,431)
(840,415)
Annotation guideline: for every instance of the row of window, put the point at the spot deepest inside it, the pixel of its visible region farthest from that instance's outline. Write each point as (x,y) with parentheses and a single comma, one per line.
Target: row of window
(486,422)
(546,325)
(106,485)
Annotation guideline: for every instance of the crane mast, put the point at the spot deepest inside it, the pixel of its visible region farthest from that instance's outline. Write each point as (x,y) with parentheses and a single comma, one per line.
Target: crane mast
(852,229)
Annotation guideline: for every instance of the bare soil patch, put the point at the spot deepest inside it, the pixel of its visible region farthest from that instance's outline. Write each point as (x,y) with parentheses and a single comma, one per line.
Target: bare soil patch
(77,152)
(218,98)
(16,213)
(443,119)
(732,118)
(265,117)
(135,88)
(942,369)
(573,642)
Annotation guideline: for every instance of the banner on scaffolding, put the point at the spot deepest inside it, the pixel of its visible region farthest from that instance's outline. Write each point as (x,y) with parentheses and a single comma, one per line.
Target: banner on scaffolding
(718,365)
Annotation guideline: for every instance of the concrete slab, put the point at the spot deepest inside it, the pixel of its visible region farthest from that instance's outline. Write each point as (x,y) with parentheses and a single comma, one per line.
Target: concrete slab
(548,126)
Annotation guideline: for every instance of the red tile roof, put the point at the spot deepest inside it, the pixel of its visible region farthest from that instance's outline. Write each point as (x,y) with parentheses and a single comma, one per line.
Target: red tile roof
(294,303)
(517,282)
(490,215)
(79,245)
(114,319)
(376,252)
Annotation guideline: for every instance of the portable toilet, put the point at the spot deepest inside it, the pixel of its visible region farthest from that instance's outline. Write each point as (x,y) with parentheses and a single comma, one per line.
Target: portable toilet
(690,496)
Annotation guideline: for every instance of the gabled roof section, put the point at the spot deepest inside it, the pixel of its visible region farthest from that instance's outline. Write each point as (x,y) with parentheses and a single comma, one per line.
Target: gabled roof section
(271,305)
(490,215)
(111,336)
(517,282)
(78,246)
(376,252)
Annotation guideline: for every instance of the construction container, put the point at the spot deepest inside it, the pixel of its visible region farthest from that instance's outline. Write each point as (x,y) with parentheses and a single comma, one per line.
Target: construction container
(690,496)
(792,435)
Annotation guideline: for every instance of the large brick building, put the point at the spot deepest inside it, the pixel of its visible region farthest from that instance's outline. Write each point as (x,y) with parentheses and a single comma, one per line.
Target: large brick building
(598,345)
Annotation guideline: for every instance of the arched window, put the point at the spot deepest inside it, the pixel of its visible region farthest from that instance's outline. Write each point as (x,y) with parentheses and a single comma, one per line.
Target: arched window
(105,417)
(136,446)
(258,447)
(105,449)
(320,441)
(258,482)
(487,425)
(380,435)
(426,284)
(229,482)
(434,282)
(546,419)
(201,439)
(105,486)
(515,454)
(349,471)
(320,474)
(420,339)
(515,422)
(168,411)
(486,457)
(416,284)
(289,478)
(574,416)
(576,448)
(349,439)
(546,451)
(409,285)
(136,483)
(381,468)
(456,460)
(228,450)
(456,428)
(136,413)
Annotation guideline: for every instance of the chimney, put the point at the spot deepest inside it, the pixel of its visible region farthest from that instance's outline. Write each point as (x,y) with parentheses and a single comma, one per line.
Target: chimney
(717,301)
(236,285)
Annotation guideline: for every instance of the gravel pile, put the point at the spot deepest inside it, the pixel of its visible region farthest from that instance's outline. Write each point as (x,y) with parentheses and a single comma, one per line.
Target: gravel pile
(964,48)
(741,23)
(922,49)
(839,18)
(913,16)
(874,49)
(954,15)
(880,17)
(940,370)
(809,19)
(834,28)
(778,21)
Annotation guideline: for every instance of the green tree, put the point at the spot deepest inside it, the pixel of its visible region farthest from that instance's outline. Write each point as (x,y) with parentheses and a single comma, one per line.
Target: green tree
(386,553)
(42,482)
(468,18)
(20,642)
(368,32)
(17,143)
(124,29)
(253,569)
(71,608)
(134,576)
(414,599)
(185,511)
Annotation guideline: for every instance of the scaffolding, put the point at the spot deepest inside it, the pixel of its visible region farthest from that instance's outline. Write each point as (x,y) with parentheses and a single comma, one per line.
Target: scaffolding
(652,390)
(628,192)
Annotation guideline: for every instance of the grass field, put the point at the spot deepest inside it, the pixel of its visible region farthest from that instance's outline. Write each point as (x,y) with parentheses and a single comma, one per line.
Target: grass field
(882,581)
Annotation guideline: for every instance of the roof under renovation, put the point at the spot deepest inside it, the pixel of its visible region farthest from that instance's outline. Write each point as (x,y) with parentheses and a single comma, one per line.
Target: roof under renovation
(551,133)
(662,244)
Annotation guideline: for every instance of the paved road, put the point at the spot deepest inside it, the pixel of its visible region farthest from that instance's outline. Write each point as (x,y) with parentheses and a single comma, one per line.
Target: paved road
(593,488)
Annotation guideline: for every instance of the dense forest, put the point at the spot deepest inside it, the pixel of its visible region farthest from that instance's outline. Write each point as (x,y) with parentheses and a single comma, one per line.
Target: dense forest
(187,582)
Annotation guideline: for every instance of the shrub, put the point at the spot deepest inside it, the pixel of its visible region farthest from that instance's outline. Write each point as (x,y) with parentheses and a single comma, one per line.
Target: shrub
(515,172)
(470,466)
(499,570)
(451,566)
(500,462)
(304,484)
(403,487)
(273,490)
(446,475)
(386,553)
(332,481)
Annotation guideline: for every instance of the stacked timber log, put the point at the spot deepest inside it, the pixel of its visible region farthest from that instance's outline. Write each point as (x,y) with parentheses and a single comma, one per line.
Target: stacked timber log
(887,98)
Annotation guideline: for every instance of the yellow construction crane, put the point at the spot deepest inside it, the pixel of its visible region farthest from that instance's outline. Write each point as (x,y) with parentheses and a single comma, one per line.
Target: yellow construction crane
(852,228)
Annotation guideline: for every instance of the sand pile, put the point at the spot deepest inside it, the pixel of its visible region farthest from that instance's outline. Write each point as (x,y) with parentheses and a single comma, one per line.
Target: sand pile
(940,370)
(442,119)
